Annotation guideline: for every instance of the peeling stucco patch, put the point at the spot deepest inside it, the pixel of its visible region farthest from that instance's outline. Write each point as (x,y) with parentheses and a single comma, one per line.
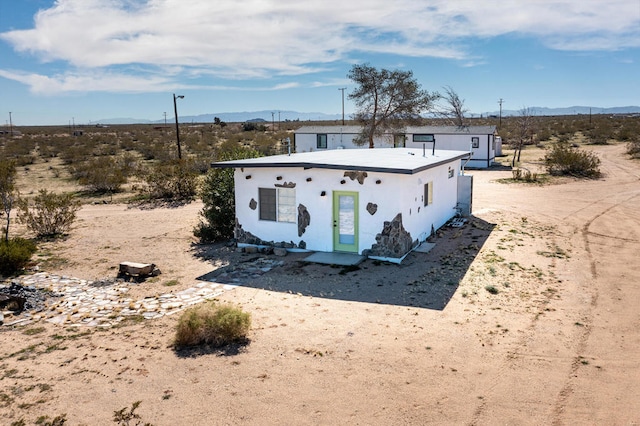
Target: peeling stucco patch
(253,204)
(394,241)
(356,175)
(304,219)
(285,185)
(372,208)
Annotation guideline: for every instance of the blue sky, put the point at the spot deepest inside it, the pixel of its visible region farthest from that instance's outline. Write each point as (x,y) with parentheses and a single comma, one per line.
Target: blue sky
(89,60)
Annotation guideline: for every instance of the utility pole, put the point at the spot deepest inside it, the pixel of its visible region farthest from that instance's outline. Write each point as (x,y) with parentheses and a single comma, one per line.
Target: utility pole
(500,123)
(342,89)
(175,111)
(273,124)
(10,125)
(165,119)
(278,120)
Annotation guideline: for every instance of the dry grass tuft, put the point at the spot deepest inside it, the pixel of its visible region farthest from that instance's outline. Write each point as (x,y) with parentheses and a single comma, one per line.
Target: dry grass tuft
(212,324)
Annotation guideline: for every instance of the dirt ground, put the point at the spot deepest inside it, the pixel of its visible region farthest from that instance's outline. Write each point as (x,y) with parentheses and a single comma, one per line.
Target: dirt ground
(526,316)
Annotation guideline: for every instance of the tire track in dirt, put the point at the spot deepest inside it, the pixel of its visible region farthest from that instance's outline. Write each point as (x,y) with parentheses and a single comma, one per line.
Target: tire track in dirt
(569,386)
(516,353)
(582,339)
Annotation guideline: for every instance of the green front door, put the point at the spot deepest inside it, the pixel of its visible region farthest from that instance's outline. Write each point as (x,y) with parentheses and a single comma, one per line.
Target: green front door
(345,221)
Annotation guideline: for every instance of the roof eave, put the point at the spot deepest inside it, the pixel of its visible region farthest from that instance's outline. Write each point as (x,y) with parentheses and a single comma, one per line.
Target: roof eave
(307,166)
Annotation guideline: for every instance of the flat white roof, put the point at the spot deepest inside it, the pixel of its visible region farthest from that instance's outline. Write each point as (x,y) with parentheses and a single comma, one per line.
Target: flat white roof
(385,160)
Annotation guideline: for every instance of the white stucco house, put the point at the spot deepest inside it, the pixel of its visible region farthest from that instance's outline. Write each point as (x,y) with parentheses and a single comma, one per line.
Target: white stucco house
(379,202)
(481,141)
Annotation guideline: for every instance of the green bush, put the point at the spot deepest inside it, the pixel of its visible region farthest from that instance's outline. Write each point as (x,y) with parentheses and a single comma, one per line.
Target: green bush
(15,255)
(51,214)
(564,159)
(218,195)
(213,324)
(174,179)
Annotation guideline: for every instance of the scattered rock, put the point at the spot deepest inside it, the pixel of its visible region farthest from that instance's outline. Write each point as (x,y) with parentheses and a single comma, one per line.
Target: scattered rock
(279,251)
(17,298)
(12,303)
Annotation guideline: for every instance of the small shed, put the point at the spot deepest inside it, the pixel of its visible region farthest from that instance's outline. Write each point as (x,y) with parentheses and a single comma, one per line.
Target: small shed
(380,202)
(479,140)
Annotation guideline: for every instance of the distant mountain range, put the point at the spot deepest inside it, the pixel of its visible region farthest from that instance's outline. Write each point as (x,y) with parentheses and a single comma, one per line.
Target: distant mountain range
(573,110)
(233,117)
(268,116)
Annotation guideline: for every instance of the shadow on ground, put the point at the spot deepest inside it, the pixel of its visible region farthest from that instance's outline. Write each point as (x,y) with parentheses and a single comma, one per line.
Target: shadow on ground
(424,280)
(231,349)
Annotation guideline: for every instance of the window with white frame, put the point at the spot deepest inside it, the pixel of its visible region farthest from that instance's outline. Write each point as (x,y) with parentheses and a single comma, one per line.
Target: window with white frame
(286,205)
(475,142)
(277,204)
(321,141)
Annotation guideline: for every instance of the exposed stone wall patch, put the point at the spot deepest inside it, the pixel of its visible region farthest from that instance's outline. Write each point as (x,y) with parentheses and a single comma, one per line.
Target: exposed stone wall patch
(360,176)
(304,219)
(285,185)
(393,241)
(245,237)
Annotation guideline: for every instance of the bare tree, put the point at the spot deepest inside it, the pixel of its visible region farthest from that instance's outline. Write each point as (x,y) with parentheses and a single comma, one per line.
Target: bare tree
(386,101)
(525,129)
(452,107)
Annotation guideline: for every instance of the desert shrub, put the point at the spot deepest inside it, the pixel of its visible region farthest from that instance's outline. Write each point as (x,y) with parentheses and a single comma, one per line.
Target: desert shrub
(78,150)
(20,151)
(633,149)
(543,135)
(101,174)
(174,179)
(15,255)
(627,132)
(525,175)
(212,324)
(564,159)
(127,416)
(492,289)
(217,217)
(251,126)
(51,214)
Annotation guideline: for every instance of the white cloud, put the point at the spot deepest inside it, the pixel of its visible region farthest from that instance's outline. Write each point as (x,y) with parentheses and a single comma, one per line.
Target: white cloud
(99,81)
(90,81)
(257,38)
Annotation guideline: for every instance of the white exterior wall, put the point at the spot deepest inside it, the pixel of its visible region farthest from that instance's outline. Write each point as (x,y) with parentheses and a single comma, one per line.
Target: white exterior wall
(482,157)
(397,193)
(462,142)
(306,142)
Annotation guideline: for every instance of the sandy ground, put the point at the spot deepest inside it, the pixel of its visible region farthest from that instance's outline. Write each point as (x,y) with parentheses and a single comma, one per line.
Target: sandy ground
(419,343)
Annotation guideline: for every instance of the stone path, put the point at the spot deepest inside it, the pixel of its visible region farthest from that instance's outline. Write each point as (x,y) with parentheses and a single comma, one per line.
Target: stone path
(77,302)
